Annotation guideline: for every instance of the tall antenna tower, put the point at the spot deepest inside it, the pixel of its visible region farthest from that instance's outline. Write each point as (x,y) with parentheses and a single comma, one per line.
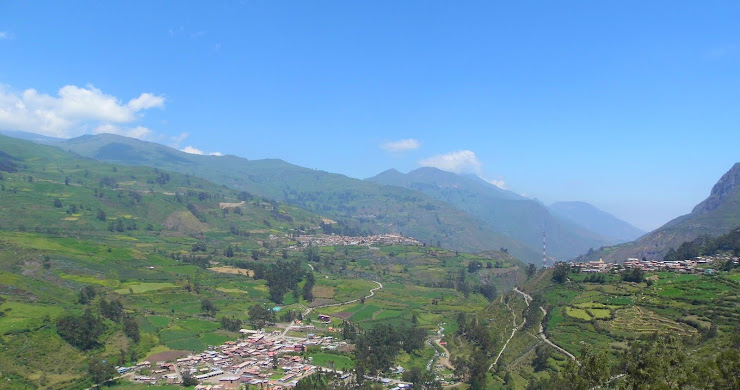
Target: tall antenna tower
(544,251)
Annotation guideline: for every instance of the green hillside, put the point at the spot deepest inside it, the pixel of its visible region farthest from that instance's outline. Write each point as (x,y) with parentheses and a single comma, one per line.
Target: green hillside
(669,327)
(138,247)
(359,205)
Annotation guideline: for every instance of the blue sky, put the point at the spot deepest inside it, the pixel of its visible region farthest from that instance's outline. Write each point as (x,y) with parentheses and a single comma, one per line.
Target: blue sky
(630,106)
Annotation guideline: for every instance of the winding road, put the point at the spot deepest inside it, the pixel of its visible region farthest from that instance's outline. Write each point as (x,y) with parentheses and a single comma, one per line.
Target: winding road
(528,298)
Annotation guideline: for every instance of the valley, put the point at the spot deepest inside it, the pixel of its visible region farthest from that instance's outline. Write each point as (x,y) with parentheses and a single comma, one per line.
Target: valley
(144,278)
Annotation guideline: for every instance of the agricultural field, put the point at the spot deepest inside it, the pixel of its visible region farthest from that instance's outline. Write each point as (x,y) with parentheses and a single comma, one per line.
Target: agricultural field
(608,316)
(159,244)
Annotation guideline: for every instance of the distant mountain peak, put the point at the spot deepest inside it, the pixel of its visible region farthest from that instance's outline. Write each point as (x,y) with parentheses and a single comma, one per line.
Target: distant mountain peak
(727,185)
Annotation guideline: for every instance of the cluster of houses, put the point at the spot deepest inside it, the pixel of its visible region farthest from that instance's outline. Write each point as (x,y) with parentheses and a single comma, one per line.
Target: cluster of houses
(256,360)
(334,240)
(683,266)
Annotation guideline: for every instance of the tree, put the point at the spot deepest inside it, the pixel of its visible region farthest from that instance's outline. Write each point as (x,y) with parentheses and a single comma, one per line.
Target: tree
(592,372)
(635,275)
(542,353)
(413,339)
(308,287)
(101,215)
(312,254)
(474,266)
(80,331)
(349,330)
(131,328)
(531,270)
(188,379)
(560,273)
(421,379)
(57,203)
(87,294)
(472,370)
(112,310)
(488,290)
(100,371)
(208,307)
(658,362)
(259,316)
(231,323)
(376,350)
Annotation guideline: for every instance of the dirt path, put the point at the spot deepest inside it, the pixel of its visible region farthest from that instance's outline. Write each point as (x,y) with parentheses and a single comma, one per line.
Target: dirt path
(513,331)
(444,360)
(310,309)
(527,299)
(544,338)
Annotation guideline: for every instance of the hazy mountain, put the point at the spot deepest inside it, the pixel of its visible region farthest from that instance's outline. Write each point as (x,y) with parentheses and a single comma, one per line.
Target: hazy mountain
(359,206)
(38,138)
(597,221)
(716,215)
(520,218)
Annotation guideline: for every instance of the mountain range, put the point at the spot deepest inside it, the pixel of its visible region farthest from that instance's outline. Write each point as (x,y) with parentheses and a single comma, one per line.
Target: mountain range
(461,212)
(358,206)
(518,217)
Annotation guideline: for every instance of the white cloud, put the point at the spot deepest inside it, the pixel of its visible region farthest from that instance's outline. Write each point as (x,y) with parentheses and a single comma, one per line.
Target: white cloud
(401,145)
(73,112)
(500,183)
(5,35)
(191,150)
(146,101)
(461,161)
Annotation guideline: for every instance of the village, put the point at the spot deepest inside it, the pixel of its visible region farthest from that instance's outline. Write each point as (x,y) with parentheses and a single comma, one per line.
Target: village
(269,360)
(698,264)
(335,240)
(263,359)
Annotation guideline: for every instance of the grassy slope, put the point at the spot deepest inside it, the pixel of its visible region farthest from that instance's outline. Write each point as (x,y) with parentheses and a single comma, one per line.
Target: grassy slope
(47,255)
(607,316)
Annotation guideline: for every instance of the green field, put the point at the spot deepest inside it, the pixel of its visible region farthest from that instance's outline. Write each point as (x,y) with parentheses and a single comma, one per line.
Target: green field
(324,359)
(19,316)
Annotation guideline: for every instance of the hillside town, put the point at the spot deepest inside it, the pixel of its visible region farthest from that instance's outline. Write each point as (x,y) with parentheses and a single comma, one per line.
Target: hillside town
(335,240)
(269,360)
(698,264)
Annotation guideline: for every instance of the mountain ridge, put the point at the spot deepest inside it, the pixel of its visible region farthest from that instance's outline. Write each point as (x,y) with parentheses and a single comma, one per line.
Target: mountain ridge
(358,204)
